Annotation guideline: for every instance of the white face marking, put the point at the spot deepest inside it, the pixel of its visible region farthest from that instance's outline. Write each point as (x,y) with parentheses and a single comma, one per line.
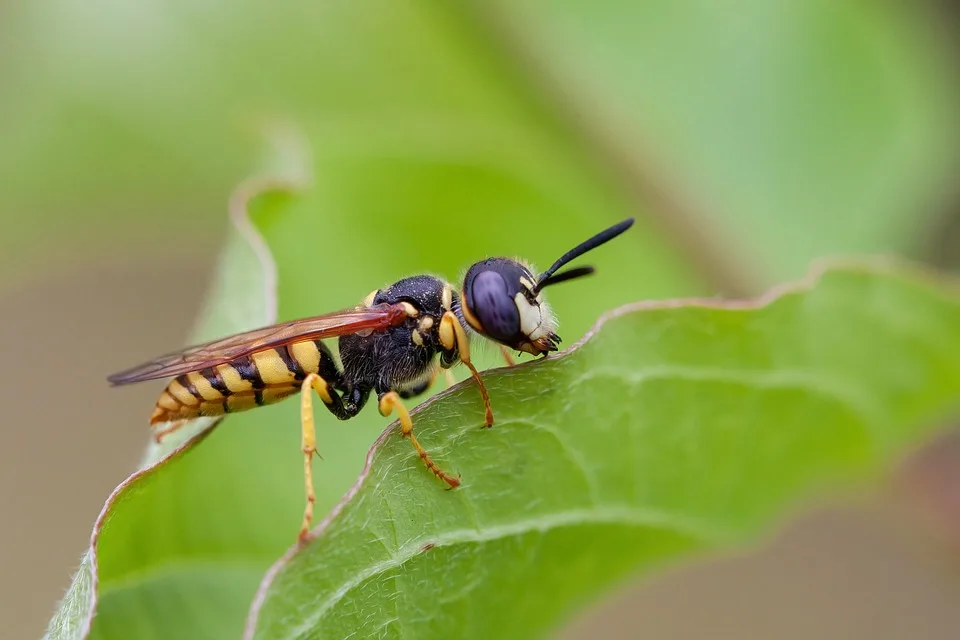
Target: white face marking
(426,323)
(447,298)
(530,318)
(410,309)
(368,301)
(531,315)
(417,338)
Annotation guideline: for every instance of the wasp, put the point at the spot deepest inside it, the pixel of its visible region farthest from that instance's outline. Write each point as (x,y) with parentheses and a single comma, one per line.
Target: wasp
(393,344)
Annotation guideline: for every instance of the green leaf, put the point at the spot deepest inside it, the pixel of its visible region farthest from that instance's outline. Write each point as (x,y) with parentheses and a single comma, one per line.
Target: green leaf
(676,428)
(243,296)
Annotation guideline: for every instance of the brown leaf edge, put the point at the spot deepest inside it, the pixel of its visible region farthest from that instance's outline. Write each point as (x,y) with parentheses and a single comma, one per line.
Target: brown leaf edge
(239,216)
(878,265)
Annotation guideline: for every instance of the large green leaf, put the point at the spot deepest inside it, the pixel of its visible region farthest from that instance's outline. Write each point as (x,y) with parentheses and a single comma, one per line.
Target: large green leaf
(675,428)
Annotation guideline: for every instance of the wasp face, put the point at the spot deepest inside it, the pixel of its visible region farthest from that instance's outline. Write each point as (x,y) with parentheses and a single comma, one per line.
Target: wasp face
(501,302)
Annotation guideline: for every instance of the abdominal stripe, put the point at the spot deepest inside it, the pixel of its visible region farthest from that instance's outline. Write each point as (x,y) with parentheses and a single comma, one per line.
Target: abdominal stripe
(216,380)
(191,388)
(290,362)
(248,371)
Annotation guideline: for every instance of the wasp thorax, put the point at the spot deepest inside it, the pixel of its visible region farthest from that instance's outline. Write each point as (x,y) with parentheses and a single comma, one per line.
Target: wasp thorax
(500,302)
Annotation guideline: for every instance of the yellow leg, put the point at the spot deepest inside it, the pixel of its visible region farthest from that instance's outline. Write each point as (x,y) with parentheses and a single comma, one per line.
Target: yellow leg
(391,401)
(160,434)
(452,333)
(507,356)
(309,441)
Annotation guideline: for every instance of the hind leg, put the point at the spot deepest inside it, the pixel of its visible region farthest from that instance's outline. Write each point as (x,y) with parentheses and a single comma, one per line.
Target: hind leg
(333,402)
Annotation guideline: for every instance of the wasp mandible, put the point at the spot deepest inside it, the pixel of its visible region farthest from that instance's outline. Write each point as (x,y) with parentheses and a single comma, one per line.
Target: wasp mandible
(389,345)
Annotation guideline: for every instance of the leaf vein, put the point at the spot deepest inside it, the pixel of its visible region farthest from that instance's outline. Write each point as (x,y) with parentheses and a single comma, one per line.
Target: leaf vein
(573,454)
(607,515)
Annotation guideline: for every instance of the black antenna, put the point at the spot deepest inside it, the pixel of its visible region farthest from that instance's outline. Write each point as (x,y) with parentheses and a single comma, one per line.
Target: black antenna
(563,276)
(547,278)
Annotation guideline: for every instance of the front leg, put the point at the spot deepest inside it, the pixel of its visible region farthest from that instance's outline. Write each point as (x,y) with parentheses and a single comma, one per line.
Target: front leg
(453,339)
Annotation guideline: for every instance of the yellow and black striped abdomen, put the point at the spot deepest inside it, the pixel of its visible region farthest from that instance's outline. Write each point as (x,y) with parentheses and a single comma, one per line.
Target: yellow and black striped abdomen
(251,381)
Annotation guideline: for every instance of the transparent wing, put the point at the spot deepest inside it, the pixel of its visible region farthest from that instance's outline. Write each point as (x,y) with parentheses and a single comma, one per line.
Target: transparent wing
(211,354)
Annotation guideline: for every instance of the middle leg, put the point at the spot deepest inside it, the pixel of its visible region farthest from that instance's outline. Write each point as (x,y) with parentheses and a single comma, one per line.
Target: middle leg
(390,401)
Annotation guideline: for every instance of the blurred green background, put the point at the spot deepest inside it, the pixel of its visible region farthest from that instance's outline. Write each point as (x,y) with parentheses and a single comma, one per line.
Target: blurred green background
(748,138)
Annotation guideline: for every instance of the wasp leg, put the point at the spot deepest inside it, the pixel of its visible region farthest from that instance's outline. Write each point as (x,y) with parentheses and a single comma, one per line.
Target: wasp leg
(390,401)
(334,403)
(452,336)
(507,356)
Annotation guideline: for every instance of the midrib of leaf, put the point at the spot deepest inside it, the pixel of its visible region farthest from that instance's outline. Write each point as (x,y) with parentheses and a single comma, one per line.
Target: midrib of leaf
(598,515)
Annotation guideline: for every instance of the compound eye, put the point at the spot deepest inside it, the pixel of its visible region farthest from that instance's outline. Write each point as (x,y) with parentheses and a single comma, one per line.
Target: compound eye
(494,307)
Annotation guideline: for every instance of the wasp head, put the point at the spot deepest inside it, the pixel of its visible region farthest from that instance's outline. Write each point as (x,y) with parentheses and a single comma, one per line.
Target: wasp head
(500,301)
(503,300)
